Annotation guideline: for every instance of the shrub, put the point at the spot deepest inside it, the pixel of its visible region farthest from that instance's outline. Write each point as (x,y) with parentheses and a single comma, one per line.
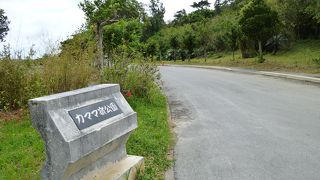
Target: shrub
(34,84)
(316,61)
(11,86)
(65,73)
(138,77)
(73,67)
(20,82)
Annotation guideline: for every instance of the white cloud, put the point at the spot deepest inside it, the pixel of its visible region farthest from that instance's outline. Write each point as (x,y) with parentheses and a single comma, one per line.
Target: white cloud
(36,21)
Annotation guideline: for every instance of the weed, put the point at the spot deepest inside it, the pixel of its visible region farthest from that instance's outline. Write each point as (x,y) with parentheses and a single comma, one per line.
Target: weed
(297,59)
(152,138)
(316,61)
(136,77)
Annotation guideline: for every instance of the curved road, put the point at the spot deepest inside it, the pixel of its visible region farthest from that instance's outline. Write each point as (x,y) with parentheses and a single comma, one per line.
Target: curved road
(239,126)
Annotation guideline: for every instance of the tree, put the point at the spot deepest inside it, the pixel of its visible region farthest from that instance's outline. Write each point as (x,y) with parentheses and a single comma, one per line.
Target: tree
(155,22)
(157,14)
(175,44)
(151,49)
(4,25)
(258,22)
(180,17)
(217,7)
(300,18)
(125,33)
(105,12)
(233,37)
(201,4)
(202,13)
(205,38)
(189,43)
(314,9)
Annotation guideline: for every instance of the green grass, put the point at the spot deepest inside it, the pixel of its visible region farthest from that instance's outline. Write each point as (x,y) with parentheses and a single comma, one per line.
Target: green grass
(152,138)
(22,150)
(296,59)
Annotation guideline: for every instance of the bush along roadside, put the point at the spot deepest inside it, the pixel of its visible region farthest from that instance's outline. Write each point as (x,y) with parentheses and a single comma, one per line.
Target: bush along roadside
(152,138)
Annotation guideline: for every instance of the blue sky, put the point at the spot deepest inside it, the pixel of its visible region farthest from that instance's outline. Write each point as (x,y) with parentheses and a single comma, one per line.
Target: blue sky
(44,22)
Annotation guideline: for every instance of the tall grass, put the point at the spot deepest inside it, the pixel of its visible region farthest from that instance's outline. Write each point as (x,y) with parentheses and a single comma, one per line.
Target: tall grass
(72,68)
(134,75)
(301,57)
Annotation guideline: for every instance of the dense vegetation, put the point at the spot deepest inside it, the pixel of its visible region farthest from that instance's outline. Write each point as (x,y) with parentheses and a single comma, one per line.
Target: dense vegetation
(255,27)
(106,50)
(121,40)
(300,58)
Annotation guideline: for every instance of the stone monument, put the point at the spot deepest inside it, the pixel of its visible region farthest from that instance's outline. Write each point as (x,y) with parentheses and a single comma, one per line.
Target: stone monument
(85,132)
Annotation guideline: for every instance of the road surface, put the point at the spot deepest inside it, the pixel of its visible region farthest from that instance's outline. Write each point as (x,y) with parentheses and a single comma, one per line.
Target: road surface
(240,126)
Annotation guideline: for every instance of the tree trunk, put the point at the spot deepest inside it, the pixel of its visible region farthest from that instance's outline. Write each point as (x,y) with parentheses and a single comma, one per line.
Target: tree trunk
(318,32)
(205,55)
(99,37)
(260,52)
(100,58)
(233,54)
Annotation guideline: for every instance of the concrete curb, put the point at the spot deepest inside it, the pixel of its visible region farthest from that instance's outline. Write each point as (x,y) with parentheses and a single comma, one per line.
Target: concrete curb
(264,73)
(291,76)
(169,174)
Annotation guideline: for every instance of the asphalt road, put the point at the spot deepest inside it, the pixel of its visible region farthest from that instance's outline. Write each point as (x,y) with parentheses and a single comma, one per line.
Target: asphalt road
(240,126)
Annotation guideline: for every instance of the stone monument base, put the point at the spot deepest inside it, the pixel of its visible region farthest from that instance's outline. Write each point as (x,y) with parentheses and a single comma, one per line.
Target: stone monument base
(126,169)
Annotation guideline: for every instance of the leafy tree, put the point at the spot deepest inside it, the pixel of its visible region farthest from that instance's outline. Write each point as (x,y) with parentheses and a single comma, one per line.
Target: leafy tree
(189,42)
(300,18)
(201,4)
(157,45)
(314,9)
(151,48)
(205,39)
(155,22)
(180,17)
(217,6)
(79,47)
(233,37)
(105,12)
(123,33)
(4,25)
(202,13)
(259,22)
(157,14)
(175,44)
